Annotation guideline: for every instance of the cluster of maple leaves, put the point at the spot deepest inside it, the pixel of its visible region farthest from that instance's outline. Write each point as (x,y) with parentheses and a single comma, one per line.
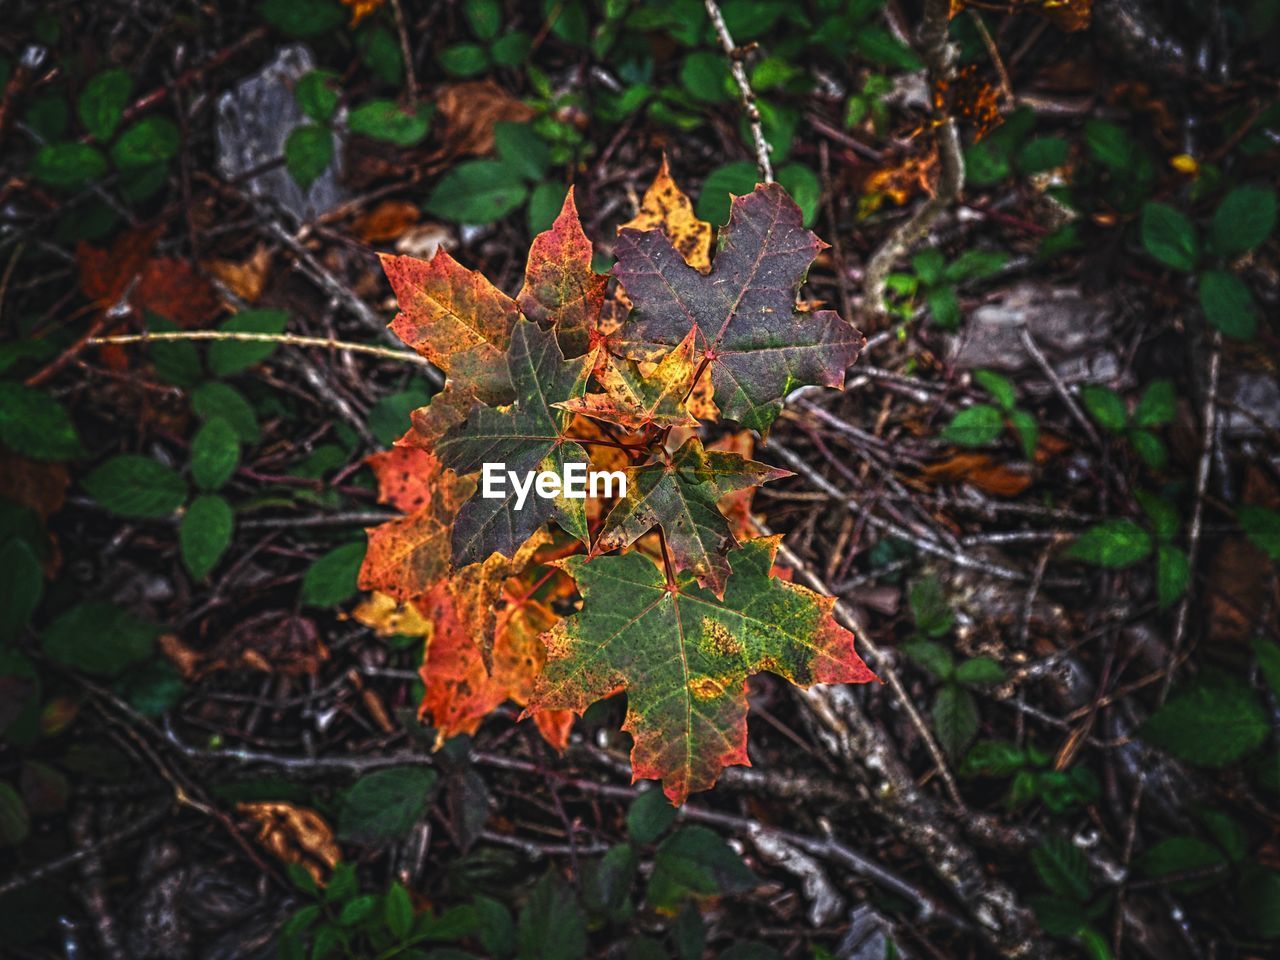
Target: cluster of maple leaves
(662,592)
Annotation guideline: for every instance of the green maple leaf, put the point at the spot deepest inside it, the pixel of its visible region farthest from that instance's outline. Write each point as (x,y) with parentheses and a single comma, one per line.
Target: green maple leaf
(635,401)
(527,434)
(759,346)
(684,656)
(680,495)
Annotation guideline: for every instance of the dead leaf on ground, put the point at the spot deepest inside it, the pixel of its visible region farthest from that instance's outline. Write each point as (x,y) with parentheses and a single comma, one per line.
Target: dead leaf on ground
(981,471)
(385,222)
(36,484)
(294,834)
(245,278)
(361,9)
(468,112)
(272,643)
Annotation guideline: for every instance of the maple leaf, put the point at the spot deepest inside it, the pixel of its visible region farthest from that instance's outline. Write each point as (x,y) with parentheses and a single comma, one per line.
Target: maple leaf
(525,435)
(684,657)
(680,495)
(665,207)
(407,556)
(455,318)
(560,288)
(635,401)
(758,345)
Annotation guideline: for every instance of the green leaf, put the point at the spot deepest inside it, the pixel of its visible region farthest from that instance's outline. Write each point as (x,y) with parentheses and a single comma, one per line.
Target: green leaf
(993,758)
(484,17)
(1157,406)
(317,94)
(357,910)
(131,485)
(1215,722)
(955,719)
(152,687)
(1180,855)
(215,454)
(1228,305)
(1259,895)
(1058,917)
(1268,654)
(975,265)
(150,141)
(649,817)
(380,51)
(102,101)
(522,150)
(986,163)
(1105,406)
(1062,868)
(1028,431)
(1111,145)
(511,49)
(552,926)
(683,656)
(1043,153)
(1150,449)
(680,496)
(98,639)
(933,657)
(1114,544)
(1169,236)
(928,266)
(176,361)
(979,671)
(695,860)
(1262,526)
(689,933)
(974,426)
(999,387)
(464,59)
(495,927)
(607,881)
(477,191)
(389,417)
(944,306)
(227,357)
(307,153)
(877,44)
(383,806)
(1173,573)
(205,534)
(805,189)
(21,587)
(35,425)
(735,179)
(384,120)
(331,580)
(15,823)
(1163,515)
(219,400)
(68,166)
(706,76)
(930,610)
(1243,220)
(303,18)
(545,202)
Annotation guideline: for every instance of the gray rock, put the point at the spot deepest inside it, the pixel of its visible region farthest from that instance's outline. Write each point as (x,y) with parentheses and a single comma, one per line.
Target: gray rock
(1070,329)
(254,121)
(1257,392)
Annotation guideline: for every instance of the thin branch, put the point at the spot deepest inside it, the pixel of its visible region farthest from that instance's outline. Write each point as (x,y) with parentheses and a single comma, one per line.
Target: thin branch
(739,71)
(939,56)
(288,339)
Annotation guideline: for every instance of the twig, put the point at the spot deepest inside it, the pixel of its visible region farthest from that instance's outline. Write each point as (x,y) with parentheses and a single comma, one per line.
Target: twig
(739,71)
(406,53)
(939,56)
(1033,349)
(1197,512)
(288,339)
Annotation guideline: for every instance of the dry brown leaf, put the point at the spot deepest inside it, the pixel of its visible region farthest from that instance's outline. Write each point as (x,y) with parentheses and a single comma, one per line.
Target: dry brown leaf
(294,834)
(33,483)
(666,207)
(244,278)
(468,112)
(386,222)
(187,660)
(361,9)
(981,471)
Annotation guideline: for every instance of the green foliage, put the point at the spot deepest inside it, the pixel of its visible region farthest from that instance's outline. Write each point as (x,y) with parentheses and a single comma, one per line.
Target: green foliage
(1114,544)
(1214,722)
(1228,305)
(35,425)
(101,104)
(1262,526)
(215,454)
(331,580)
(228,357)
(477,191)
(1033,776)
(384,120)
(68,166)
(383,806)
(205,533)
(1169,236)
(99,639)
(1243,220)
(131,485)
(649,817)
(308,152)
(318,95)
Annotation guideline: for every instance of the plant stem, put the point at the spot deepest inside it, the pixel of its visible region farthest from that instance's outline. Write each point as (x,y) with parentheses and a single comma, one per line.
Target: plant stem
(288,339)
